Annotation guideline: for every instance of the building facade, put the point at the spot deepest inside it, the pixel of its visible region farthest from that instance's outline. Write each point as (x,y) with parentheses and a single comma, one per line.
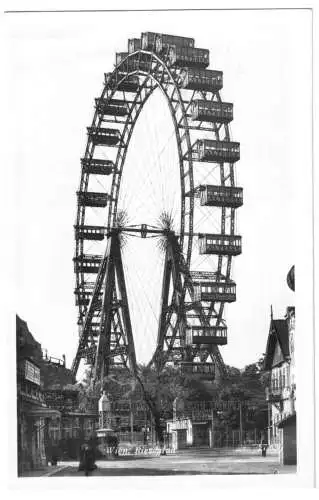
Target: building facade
(51,422)
(33,415)
(75,426)
(281,389)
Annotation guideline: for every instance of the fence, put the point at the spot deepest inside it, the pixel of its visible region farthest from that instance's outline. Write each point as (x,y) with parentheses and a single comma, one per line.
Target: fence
(139,438)
(236,438)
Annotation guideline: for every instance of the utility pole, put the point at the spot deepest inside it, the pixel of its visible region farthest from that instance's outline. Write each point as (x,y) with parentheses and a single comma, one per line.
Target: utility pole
(269,423)
(240,425)
(212,440)
(131,420)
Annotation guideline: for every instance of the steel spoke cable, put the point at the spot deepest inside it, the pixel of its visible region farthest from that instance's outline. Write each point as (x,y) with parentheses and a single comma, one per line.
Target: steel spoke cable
(159,157)
(141,285)
(207,218)
(142,198)
(158,163)
(147,178)
(152,289)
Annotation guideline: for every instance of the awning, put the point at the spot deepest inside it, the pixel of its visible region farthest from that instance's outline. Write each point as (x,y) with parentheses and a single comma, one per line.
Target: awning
(43,412)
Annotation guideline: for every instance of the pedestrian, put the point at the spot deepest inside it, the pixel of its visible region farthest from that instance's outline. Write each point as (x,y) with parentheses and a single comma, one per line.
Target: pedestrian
(264,446)
(82,457)
(87,458)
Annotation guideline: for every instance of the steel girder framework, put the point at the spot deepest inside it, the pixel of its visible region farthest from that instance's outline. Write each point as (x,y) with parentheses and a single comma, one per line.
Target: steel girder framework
(171,347)
(150,69)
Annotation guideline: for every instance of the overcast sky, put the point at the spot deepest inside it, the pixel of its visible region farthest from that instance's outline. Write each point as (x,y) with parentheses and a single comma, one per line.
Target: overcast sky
(56,66)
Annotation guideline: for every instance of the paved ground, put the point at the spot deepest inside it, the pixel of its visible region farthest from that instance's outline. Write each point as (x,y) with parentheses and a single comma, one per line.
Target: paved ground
(45,471)
(188,462)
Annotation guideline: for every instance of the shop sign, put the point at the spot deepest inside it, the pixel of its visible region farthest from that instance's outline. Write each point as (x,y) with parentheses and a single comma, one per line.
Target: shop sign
(32,372)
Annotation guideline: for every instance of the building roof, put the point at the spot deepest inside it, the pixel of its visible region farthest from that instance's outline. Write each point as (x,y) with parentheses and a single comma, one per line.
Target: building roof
(27,346)
(278,335)
(289,420)
(52,374)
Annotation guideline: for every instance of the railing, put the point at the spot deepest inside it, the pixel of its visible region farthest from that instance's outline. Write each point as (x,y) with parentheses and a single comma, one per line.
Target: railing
(132,437)
(277,392)
(56,361)
(237,438)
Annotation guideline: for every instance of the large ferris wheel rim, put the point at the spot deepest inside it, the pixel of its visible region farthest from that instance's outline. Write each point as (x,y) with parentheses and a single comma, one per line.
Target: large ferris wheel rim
(189,173)
(150,75)
(128,128)
(97,121)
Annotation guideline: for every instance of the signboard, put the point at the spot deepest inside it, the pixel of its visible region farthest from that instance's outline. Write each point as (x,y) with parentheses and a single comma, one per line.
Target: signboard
(32,372)
(175,425)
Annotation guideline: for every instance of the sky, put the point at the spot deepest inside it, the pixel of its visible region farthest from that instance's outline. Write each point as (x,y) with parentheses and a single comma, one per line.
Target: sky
(55,69)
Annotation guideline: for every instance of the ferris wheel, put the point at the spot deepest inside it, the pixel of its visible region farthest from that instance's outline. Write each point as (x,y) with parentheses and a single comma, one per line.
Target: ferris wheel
(193,220)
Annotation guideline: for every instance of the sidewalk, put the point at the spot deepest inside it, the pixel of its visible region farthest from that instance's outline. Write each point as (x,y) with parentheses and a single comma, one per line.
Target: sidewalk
(187,463)
(45,471)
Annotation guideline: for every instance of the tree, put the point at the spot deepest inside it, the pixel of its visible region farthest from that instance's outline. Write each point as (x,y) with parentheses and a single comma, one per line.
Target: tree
(161,388)
(158,389)
(247,387)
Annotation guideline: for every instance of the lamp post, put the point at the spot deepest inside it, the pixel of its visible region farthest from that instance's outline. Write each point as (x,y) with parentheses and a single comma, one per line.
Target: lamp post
(240,424)
(212,430)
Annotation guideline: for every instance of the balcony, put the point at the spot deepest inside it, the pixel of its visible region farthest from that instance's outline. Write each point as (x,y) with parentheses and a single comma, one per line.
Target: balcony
(104,136)
(86,263)
(113,107)
(212,111)
(203,370)
(209,288)
(83,299)
(115,81)
(219,244)
(94,328)
(97,167)
(199,276)
(217,151)
(189,57)
(163,42)
(83,293)
(274,394)
(92,199)
(221,196)
(215,292)
(216,335)
(160,41)
(137,62)
(203,79)
(95,233)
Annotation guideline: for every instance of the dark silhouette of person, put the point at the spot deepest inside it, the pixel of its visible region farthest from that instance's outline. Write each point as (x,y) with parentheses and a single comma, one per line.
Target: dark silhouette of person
(87,459)
(264,446)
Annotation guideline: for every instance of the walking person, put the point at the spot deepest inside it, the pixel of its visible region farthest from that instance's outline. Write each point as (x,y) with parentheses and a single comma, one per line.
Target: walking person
(87,459)
(82,457)
(264,446)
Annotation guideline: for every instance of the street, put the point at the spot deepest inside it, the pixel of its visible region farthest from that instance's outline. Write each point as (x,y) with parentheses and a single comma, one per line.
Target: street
(185,462)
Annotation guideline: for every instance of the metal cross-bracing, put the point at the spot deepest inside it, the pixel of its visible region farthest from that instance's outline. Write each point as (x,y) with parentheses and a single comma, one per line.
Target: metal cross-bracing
(197,266)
